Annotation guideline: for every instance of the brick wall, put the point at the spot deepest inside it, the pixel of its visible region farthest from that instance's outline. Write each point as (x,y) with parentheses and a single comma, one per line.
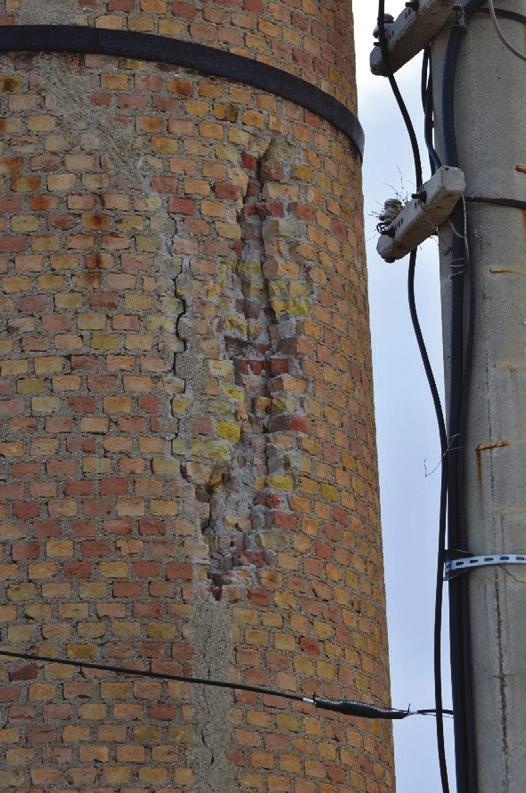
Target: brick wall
(187,456)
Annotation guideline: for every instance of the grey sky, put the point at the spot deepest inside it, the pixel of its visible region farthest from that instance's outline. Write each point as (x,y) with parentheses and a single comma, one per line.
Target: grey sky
(406,428)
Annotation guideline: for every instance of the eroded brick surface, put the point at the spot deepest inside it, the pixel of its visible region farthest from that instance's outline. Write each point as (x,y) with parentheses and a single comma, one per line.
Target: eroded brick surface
(187,460)
(309,38)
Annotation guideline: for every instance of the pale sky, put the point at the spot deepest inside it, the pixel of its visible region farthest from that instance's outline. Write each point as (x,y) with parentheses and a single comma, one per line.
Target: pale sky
(406,427)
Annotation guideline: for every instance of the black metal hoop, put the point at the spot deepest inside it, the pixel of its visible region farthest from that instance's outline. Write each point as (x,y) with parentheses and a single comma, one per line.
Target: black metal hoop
(208,60)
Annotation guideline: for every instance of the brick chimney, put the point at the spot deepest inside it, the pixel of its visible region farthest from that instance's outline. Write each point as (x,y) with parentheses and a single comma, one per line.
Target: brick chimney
(187,454)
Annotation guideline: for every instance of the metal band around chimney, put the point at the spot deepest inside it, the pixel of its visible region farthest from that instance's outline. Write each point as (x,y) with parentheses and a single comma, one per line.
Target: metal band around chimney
(208,60)
(463,564)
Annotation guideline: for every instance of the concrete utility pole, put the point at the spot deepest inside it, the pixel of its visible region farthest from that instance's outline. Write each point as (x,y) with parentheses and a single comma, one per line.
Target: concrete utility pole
(490,118)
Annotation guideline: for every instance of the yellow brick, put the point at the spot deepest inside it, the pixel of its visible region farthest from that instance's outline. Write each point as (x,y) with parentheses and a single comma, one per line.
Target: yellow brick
(153,776)
(161,507)
(62,507)
(288,722)
(93,711)
(73,610)
(117,404)
(125,630)
(161,630)
(251,780)
(281,481)
(44,405)
(96,465)
(19,592)
(215,209)
(41,123)
(9,735)
(63,548)
(147,733)
(66,382)
(114,569)
(68,300)
(230,231)
(41,570)
(16,367)
(93,590)
(105,341)
(91,321)
(181,405)
(50,281)
(229,430)
(284,641)
(137,302)
(48,365)
(115,690)
(41,692)
(117,774)
(138,341)
(8,572)
(137,384)
(114,81)
(30,385)
(24,223)
(95,424)
(130,507)
(329,492)
(166,466)
(74,733)
(85,652)
(61,182)
(64,261)
(16,283)
(44,446)
(10,83)
(21,633)
(165,145)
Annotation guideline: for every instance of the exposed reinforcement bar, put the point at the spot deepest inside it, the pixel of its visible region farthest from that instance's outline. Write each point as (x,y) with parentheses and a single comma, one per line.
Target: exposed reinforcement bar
(208,60)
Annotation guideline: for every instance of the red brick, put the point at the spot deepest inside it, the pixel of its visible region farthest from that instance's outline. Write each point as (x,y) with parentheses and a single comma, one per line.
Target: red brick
(27,509)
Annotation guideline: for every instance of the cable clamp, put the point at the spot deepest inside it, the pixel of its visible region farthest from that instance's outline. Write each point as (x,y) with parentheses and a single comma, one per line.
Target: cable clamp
(460,18)
(461,562)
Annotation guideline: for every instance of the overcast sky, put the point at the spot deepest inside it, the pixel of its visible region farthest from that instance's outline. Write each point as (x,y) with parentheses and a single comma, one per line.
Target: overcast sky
(406,427)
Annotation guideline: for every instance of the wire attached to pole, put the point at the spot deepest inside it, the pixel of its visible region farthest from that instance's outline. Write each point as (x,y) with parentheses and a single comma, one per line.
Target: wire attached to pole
(384,49)
(500,33)
(347,707)
(426,89)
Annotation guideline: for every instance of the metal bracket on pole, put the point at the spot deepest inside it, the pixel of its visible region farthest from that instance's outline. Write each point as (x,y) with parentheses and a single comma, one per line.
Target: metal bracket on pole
(418,23)
(457,566)
(421,216)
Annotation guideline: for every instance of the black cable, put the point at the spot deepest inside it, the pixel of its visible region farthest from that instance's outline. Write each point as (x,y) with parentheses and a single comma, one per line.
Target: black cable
(439,590)
(513,203)
(437,659)
(346,706)
(462,343)
(504,13)
(398,96)
(427,105)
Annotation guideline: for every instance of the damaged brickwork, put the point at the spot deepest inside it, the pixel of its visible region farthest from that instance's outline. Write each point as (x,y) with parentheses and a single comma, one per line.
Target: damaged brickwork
(187,457)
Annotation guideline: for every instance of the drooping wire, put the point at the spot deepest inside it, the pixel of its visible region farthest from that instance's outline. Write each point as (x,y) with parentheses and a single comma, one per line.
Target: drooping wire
(442,529)
(427,105)
(427,102)
(500,33)
(382,39)
(346,706)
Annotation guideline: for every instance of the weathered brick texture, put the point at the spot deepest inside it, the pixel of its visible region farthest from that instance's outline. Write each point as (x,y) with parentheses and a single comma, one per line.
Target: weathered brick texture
(187,457)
